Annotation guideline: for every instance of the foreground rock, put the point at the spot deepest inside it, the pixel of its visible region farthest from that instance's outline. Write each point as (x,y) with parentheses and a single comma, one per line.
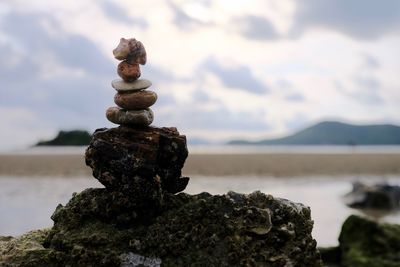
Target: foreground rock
(365,243)
(98,229)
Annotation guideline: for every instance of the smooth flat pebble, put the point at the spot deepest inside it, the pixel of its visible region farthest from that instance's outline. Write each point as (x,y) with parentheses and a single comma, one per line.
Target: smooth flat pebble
(122,86)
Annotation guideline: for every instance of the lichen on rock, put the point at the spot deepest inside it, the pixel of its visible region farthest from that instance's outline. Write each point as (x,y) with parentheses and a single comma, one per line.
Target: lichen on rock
(196,230)
(367,243)
(189,230)
(27,250)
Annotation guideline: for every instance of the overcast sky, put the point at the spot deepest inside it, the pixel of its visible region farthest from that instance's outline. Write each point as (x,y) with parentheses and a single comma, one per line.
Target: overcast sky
(222,69)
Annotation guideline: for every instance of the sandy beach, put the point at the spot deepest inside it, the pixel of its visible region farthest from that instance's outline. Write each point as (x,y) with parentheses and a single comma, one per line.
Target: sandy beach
(278,165)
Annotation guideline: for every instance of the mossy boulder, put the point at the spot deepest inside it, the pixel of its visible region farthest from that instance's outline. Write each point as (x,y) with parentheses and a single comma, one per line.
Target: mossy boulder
(189,230)
(367,243)
(363,242)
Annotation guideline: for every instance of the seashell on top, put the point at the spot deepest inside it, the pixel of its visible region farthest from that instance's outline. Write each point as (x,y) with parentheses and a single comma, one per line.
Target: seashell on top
(131,50)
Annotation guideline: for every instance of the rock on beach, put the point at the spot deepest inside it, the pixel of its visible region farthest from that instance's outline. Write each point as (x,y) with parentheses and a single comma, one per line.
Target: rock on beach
(189,230)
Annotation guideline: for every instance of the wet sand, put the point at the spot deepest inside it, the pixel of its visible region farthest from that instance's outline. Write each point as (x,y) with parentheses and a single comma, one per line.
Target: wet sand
(278,165)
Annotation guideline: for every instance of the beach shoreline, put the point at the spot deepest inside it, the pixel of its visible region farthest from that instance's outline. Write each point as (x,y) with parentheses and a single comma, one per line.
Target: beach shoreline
(268,164)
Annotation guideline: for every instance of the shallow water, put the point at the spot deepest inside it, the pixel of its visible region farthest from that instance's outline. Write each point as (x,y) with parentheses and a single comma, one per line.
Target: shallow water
(232,149)
(26,203)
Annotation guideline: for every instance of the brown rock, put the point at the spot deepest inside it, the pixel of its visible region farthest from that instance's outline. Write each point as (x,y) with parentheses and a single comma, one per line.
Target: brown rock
(128,72)
(138,162)
(135,100)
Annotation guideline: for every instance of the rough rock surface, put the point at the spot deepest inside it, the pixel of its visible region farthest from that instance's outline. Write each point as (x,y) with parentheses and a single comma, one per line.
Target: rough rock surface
(363,242)
(189,230)
(26,250)
(139,162)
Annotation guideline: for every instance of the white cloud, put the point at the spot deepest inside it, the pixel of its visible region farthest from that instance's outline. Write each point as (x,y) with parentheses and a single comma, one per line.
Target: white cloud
(56,62)
(360,19)
(22,127)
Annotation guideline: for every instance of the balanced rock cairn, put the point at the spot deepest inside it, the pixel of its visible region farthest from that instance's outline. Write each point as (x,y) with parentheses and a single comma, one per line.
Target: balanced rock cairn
(134,159)
(132,98)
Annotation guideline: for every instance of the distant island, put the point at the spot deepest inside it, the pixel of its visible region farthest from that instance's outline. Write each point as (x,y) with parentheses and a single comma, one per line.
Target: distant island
(336,133)
(68,138)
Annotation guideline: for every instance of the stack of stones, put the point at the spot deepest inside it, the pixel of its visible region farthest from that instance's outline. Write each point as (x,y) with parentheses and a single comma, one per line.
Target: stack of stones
(132,98)
(134,161)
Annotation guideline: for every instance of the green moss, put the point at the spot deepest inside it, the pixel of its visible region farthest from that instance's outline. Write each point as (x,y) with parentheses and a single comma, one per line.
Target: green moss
(27,250)
(367,243)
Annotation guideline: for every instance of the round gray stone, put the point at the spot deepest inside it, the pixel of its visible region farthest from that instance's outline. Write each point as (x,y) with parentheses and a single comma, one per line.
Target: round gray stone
(122,86)
(130,117)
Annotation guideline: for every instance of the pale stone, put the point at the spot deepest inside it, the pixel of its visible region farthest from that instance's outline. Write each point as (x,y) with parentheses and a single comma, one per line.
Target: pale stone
(135,100)
(130,117)
(122,86)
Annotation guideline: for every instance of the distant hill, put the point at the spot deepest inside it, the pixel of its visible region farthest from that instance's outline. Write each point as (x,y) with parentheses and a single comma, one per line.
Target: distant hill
(336,133)
(68,138)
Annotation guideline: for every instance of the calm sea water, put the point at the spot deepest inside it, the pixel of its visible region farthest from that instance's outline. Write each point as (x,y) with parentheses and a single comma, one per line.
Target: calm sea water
(234,149)
(316,149)
(26,203)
